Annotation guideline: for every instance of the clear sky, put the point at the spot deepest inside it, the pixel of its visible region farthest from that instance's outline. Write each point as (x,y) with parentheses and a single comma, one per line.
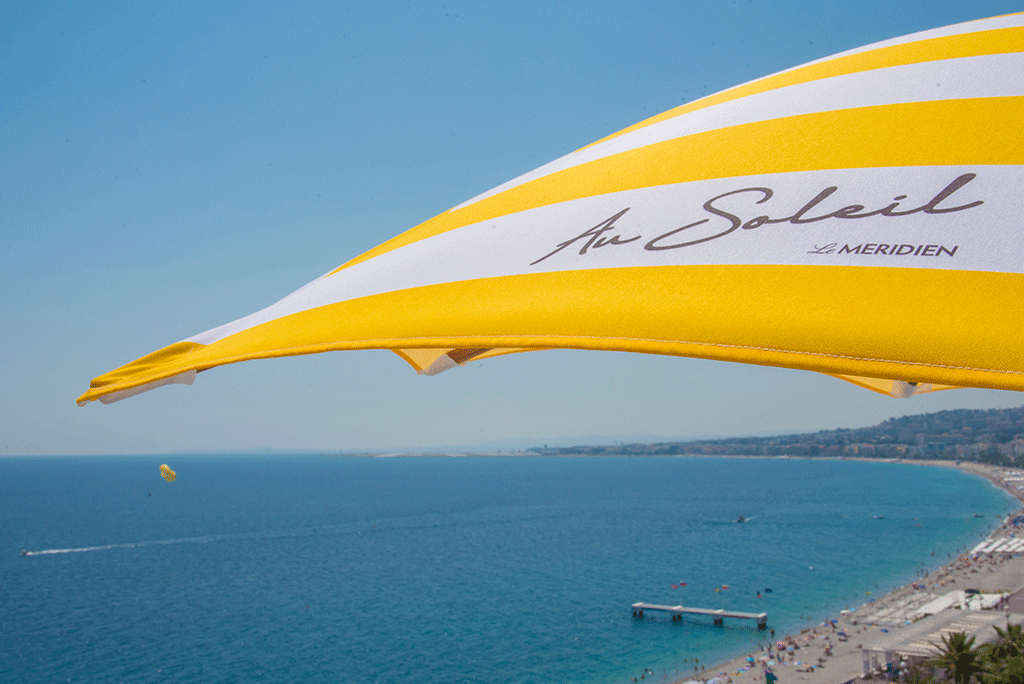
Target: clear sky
(166,167)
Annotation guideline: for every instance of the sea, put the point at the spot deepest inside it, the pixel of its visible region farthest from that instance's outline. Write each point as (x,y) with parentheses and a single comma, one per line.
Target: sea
(442,570)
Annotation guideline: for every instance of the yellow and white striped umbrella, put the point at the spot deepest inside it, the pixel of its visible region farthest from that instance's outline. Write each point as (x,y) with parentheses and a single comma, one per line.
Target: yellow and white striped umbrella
(862,216)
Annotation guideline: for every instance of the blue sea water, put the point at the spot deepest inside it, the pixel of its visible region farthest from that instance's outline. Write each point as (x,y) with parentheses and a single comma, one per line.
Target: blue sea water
(442,570)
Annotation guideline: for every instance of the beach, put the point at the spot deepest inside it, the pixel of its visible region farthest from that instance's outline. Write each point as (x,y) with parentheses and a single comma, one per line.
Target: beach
(832,651)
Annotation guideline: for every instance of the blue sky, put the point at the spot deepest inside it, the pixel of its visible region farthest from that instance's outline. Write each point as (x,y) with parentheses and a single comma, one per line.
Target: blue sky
(169,167)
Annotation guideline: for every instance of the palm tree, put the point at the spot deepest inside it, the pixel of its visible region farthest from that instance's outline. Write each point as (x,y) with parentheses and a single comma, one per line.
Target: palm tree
(1004,671)
(1009,644)
(1003,661)
(958,657)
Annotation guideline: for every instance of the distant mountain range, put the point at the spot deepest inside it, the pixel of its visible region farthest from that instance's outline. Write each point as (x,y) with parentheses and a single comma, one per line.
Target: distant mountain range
(533,444)
(992,435)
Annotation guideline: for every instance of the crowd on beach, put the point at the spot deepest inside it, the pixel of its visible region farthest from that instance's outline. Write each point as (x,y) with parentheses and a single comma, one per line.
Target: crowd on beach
(831,652)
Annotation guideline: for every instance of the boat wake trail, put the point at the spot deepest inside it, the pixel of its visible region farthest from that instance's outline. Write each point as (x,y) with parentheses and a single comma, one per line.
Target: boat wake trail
(135,545)
(360,527)
(80,550)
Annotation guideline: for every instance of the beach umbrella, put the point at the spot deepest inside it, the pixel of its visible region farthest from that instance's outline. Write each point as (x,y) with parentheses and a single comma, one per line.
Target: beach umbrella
(859,215)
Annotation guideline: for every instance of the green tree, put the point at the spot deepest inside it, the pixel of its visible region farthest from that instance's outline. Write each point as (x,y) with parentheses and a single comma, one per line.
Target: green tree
(1004,670)
(1008,644)
(1003,660)
(958,657)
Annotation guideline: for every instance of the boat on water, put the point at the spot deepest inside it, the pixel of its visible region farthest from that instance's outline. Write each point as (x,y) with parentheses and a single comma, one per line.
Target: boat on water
(741,519)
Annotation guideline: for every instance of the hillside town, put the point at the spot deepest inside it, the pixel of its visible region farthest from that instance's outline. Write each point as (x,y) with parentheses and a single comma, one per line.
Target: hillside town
(994,436)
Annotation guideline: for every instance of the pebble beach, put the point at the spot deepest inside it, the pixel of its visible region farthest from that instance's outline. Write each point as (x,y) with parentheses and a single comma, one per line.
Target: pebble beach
(832,651)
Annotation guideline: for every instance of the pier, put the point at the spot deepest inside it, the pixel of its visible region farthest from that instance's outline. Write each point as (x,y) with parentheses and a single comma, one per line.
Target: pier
(717,615)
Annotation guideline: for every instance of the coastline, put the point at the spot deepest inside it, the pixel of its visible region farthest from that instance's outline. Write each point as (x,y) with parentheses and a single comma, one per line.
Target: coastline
(830,652)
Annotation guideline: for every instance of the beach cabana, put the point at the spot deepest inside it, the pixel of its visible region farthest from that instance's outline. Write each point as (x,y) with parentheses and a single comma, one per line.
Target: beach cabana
(917,642)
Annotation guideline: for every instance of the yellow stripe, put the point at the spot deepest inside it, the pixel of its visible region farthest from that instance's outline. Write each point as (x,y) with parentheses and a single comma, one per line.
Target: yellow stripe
(152,365)
(946,132)
(947,327)
(993,42)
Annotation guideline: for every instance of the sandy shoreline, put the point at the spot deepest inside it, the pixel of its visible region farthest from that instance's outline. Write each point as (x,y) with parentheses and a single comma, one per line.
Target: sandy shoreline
(822,655)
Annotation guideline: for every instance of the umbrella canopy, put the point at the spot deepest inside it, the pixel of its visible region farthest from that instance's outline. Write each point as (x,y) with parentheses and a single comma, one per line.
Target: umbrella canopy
(860,216)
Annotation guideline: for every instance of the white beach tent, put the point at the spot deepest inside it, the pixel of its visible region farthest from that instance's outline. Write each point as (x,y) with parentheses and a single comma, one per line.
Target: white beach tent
(860,216)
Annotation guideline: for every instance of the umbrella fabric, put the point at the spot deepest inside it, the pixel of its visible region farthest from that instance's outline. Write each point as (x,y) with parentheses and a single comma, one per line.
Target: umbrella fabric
(858,216)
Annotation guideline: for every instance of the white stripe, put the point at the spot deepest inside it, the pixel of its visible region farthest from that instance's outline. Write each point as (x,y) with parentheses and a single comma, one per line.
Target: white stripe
(976,26)
(952,79)
(964,28)
(517,244)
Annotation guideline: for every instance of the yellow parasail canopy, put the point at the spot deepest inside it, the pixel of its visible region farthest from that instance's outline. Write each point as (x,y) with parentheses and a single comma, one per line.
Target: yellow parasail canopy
(860,216)
(167,473)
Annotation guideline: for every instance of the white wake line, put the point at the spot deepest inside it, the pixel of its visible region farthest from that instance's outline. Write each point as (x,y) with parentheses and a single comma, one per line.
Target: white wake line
(165,542)
(346,528)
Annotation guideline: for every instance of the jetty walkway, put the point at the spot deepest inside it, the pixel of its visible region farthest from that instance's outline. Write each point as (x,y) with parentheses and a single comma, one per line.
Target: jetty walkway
(717,615)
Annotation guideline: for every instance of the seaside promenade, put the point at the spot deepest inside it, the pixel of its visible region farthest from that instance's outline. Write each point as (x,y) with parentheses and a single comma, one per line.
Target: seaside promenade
(836,652)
